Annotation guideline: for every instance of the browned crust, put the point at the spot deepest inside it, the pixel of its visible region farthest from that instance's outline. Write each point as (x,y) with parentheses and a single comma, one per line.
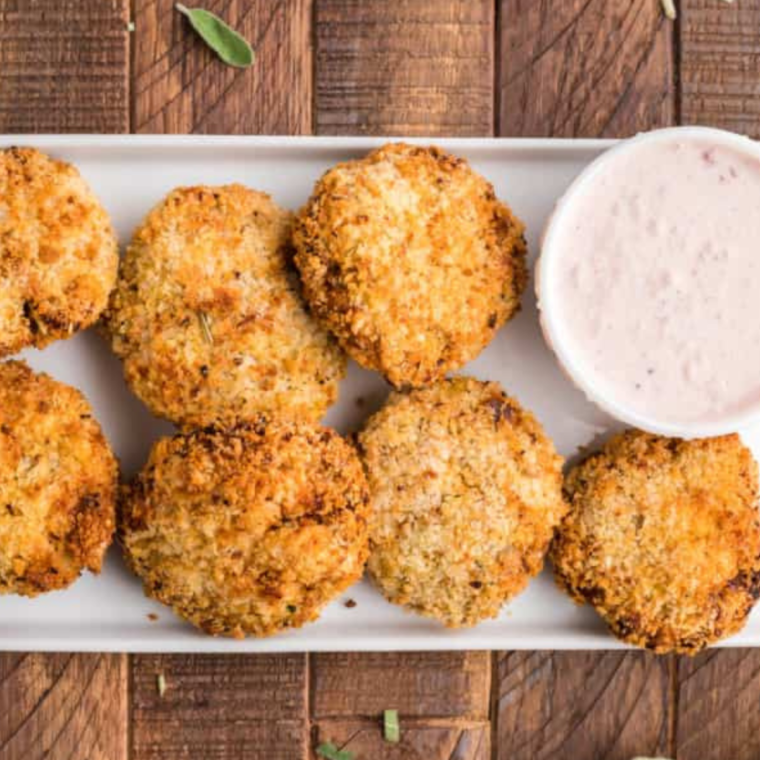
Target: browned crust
(410,260)
(208,318)
(250,531)
(466,491)
(57,484)
(663,539)
(58,251)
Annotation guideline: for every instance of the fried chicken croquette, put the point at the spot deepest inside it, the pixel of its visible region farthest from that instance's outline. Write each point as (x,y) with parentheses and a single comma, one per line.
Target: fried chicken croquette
(57,484)
(410,260)
(207,314)
(466,491)
(663,539)
(249,531)
(58,251)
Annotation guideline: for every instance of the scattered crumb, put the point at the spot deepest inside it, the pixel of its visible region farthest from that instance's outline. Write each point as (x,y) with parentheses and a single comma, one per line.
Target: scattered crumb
(152,617)
(161,684)
(350,603)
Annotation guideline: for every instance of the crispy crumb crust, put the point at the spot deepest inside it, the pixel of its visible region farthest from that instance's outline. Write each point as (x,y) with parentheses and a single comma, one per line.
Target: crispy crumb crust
(58,251)
(663,539)
(57,484)
(410,260)
(466,492)
(207,314)
(250,531)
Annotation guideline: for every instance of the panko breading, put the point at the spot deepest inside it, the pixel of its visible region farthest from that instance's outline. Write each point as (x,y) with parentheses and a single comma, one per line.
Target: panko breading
(466,491)
(249,531)
(58,251)
(663,539)
(57,484)
(410,260)
(208,318)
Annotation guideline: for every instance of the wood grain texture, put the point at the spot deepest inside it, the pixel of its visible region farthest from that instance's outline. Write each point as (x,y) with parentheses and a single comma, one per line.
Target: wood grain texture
(404,67)
(180,86)
(582,68)
(720,64)
(218,707)
(419,684)
(570,705)
(63,707)
(718,715)
(64,66)
(428,740)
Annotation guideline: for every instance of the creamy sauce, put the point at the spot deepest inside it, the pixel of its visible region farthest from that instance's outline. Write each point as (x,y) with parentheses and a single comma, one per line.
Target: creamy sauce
(656,286)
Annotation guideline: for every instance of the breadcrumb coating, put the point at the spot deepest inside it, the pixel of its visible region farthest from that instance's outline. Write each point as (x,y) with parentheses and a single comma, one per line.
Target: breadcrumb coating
(57,484)
(410,260)
(663,539)
(208,318)
(466,492)
(250,531)
(58,251)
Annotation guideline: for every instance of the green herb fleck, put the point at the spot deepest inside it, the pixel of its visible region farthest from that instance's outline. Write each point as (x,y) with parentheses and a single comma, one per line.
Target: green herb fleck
(391,727)
(233,49)
(331,752)
(291,608)
(669,9)
(161,684)
(205,323)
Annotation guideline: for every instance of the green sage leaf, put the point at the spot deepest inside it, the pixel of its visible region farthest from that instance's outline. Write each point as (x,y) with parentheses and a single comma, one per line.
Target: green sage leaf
(329,751)
(233,49)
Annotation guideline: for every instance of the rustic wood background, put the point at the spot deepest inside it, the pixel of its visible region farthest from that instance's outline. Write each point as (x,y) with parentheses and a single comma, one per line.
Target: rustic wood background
(396,67)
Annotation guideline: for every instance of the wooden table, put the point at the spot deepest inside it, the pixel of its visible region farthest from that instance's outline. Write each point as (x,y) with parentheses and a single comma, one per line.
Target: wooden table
(409,67)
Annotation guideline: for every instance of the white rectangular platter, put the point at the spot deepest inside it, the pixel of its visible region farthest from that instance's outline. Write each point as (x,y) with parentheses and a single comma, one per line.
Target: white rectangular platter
(130,173)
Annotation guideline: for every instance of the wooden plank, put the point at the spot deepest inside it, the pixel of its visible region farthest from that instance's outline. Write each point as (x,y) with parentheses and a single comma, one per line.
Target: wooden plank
(417,684)
(63,66)
(404,67)
(179,85)
(718,714)
(219,707)
(581,68)
(429,740)
(63,707)
(720,64)
(568,705)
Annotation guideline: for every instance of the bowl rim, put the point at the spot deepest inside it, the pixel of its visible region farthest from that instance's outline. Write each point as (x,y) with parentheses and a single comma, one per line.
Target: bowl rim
(548,254)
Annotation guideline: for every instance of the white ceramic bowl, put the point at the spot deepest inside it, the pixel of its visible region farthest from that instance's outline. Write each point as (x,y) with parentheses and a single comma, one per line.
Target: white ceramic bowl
(551,251)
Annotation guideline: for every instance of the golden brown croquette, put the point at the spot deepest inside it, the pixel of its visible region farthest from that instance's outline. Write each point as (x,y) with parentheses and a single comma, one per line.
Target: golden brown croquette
(207,314)
(57,484)
(58,251)
(248,531)
(663,539)
(466,491)
(410,260)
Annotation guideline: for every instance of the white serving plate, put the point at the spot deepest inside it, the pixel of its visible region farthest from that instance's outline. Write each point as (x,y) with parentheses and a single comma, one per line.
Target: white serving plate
(130,173)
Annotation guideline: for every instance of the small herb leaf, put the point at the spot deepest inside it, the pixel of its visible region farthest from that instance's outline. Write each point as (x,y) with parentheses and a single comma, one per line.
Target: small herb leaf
(391,727)
(331,752)
(233,49)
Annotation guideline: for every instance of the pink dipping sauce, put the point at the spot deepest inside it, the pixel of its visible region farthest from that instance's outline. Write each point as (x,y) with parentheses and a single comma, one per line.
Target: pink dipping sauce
(656,282)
